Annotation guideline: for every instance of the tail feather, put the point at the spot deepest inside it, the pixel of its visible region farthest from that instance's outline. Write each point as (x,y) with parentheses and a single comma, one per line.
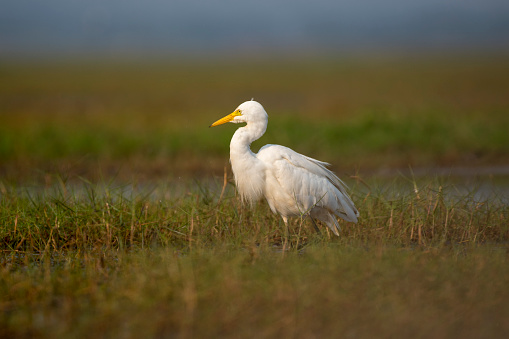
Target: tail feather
(327,217)
(333,224)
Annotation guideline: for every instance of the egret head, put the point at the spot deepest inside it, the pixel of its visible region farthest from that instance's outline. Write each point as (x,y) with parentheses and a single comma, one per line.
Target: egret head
(249,111)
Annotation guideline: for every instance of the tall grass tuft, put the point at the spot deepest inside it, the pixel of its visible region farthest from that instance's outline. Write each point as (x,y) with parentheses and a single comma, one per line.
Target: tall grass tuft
(86,217)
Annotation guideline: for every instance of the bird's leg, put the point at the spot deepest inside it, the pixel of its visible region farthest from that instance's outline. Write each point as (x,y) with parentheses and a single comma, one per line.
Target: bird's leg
(314,225)
(285,243)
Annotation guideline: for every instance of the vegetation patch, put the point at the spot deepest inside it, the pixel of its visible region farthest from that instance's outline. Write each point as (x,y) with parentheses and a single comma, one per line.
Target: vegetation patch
(105,260)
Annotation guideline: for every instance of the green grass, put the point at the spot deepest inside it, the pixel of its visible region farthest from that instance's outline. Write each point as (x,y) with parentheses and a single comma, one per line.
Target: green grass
(329,291)
(363,114)
(123,217)
(105,260)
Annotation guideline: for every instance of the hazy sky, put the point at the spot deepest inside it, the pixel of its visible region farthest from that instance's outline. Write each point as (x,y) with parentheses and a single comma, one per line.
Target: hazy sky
(199,27)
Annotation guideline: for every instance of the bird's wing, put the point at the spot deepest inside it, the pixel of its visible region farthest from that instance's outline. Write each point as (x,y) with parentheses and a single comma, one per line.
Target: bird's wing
(308,180)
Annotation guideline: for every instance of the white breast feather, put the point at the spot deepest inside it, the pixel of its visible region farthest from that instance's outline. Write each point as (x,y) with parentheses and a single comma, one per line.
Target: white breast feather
(249,179)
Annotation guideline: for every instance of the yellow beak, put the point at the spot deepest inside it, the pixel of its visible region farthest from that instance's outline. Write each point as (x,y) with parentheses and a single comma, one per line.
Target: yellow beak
(226,119)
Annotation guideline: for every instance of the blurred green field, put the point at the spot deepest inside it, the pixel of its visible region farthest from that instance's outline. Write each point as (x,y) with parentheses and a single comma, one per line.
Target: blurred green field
(146,120)
(217,293)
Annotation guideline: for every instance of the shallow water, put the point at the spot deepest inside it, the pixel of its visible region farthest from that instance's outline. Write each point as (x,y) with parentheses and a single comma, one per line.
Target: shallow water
(478,184)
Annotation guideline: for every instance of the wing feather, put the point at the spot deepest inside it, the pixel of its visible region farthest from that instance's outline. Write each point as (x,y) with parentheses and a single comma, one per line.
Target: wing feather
(309,183)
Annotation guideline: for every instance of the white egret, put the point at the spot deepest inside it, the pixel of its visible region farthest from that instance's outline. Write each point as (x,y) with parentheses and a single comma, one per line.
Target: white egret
(292,183)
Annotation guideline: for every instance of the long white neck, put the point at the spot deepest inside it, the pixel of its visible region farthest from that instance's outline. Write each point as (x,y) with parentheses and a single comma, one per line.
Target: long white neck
(248,170)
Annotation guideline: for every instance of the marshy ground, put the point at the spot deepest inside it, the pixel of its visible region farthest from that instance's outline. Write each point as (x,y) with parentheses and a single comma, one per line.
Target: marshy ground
(118,218)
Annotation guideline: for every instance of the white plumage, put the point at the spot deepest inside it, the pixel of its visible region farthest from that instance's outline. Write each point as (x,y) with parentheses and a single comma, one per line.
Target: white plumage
(292,183)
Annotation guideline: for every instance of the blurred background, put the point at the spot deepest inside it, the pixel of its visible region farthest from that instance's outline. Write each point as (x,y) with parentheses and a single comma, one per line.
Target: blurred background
(33,28)
(128,88)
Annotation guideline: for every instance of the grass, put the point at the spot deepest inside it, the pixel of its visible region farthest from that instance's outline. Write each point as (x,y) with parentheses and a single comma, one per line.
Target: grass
(120,218)
(220,293)
(362,114)
(115,220)
(100,260)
